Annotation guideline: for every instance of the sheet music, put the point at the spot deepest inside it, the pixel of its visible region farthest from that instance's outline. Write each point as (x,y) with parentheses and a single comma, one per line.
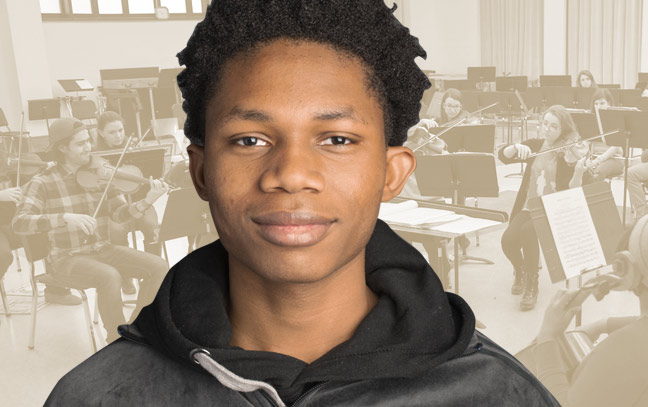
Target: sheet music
(84,84)
(387,208)
(572,227)
(466,225)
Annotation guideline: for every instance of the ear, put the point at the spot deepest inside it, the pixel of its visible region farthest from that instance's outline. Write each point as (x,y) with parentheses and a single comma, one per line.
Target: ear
(196,160)
(401,163)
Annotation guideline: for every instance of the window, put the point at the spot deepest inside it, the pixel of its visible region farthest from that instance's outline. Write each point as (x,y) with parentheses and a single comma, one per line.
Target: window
(50,6)
(140,7)
(174,6)
(110,7)
(196,5)
(81,7)
(120,9)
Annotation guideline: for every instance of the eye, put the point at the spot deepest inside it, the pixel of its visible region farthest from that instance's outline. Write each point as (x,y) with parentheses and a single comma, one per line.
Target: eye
(337,140)
(251,142)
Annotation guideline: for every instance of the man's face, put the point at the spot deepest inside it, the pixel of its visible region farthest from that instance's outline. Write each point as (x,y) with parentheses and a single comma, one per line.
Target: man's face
(77,150)
(295,161)
(113,133)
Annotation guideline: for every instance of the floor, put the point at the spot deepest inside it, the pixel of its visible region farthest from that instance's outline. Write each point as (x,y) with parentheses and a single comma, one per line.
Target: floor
(27,376)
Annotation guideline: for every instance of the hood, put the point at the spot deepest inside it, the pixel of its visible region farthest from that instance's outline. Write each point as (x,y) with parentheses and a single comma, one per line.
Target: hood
(414,326)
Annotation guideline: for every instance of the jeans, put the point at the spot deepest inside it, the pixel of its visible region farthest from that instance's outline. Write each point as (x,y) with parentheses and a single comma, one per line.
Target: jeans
(637,174)
(104,269)
(520,243)
(148,224)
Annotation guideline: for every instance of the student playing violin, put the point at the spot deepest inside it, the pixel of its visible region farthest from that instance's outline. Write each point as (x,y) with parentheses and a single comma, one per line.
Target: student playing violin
(79,249)
(603,165)
(110,127)
(548,173)
(452,109)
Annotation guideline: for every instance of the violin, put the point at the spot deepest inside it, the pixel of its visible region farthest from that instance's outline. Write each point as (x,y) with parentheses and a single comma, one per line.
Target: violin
(98,172)
(30,164)
(450,126)
(574,151)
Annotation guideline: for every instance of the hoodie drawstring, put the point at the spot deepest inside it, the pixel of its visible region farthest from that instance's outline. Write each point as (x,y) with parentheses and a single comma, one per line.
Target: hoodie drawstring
(232,380)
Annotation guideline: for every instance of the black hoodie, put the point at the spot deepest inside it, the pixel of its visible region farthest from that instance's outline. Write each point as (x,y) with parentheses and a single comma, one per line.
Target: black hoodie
(417,345)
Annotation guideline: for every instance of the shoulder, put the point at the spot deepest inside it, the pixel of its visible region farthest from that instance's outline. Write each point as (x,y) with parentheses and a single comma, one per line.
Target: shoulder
(491,376)
(126,373)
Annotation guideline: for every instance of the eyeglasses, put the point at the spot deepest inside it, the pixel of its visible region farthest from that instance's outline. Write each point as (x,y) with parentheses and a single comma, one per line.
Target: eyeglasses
(550,126)
(448,106)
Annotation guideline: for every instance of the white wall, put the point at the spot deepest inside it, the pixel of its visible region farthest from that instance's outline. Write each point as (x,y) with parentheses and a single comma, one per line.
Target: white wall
(555,37)
(448,31)
(80,49)
(643,67)
(24,74)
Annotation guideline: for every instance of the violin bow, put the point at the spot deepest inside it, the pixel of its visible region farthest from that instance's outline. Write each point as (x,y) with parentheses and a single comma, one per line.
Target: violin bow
(549,150)
(112,177)
(447,129)
(20,137)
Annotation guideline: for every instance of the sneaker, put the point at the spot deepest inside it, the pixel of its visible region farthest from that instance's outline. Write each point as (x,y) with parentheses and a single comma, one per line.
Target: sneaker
(128,288)
(66,299)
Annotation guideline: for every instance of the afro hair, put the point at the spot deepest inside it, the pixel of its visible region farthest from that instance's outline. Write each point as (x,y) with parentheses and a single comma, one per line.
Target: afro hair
(366,29)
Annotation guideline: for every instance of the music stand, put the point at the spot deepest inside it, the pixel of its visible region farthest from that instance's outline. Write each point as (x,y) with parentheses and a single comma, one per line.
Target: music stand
(632,125)
(583,97)
(459,84)
(481,74)
(559,95)
(511,83)
(630,97)
(586,124)
(478,138)
(535,98)
(555,80)
(75,85)
(606,222)
(471,100)
(185,215)
(465,174)
(44,109)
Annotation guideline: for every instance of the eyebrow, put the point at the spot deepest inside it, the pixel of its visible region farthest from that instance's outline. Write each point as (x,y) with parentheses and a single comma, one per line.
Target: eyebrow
(342,113)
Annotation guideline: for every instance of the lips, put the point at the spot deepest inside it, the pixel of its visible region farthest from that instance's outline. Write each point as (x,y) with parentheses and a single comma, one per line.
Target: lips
(293,229)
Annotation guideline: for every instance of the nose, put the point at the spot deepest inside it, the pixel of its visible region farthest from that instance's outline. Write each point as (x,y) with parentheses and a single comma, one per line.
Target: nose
(293,168)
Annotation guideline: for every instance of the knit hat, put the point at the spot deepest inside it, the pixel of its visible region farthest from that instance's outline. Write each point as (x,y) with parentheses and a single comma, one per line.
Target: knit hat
(62,129)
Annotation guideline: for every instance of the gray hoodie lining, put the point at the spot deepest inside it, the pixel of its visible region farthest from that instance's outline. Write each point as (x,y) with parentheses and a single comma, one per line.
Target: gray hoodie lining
(232,380)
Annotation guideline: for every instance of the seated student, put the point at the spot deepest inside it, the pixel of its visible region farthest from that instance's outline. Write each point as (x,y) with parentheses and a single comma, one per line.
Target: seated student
(614,373)
(306,299)
(112,136)
(55,203)
(452,109)
(604,165)
(549,172)
(9,197)
(585,79)
(637,177)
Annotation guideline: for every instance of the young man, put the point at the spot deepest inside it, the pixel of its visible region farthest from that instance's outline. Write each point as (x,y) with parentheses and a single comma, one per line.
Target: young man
(296,111)
(55,203)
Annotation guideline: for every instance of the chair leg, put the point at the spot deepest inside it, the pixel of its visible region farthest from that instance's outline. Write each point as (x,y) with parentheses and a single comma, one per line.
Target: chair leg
(86,311)
(5,303)
(32,335)
(166,254)
(17,258)
(95,320)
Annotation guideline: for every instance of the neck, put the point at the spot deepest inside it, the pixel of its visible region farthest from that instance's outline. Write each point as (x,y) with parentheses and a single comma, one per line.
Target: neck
(302,320)
(71,167)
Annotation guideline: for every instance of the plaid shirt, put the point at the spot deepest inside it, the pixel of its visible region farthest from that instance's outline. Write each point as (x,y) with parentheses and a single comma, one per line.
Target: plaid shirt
(55,192)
